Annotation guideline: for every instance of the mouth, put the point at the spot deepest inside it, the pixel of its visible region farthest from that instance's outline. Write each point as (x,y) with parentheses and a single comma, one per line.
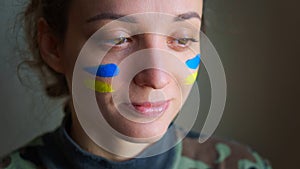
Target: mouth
(150,109)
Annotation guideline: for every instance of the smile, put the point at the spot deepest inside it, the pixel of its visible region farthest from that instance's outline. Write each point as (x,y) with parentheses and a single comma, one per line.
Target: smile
(150,109)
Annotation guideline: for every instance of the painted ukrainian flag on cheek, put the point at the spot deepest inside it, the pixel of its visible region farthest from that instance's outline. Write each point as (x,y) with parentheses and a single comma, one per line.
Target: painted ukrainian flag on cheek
(104,71)
(193,64)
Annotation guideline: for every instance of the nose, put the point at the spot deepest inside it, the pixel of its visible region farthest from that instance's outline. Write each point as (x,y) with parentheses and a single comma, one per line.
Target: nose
(153,78)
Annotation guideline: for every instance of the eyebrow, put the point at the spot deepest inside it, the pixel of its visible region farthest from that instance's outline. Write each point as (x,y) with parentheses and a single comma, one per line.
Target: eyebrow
(186,16)
(114,16)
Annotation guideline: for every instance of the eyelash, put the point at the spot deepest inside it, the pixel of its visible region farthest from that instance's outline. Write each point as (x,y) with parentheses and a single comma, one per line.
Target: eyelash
(123,42)
(119,42)
(181,43)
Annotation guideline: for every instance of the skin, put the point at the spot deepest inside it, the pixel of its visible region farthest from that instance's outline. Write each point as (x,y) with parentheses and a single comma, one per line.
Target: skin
(61,55)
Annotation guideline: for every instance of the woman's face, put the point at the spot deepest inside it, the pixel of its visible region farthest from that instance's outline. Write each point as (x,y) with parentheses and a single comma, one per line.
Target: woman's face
(83,23)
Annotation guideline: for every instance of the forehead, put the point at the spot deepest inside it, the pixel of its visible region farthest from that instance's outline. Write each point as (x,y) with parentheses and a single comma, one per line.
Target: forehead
(86,9)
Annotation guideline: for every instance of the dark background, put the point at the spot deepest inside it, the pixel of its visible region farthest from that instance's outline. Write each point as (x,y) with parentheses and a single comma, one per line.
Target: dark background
(258,42)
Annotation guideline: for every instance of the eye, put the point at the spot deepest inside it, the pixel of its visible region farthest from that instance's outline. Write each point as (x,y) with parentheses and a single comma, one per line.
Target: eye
(180,43)
(115,41)
(119,41)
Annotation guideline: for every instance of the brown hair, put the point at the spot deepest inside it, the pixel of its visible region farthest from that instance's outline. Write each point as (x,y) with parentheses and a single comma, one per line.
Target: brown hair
(55,13)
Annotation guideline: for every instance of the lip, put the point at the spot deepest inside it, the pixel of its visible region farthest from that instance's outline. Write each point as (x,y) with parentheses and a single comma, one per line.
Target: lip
(150,109)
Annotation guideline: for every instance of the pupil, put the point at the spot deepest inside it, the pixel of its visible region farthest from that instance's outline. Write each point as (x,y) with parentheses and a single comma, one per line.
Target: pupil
(120,41)
(182,41)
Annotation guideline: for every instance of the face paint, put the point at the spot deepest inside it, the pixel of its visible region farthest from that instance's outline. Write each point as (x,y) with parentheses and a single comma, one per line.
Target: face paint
(191,79)
(108,70)
(98,86)
(194,63)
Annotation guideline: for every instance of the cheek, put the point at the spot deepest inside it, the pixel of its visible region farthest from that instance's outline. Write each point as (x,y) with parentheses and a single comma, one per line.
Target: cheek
(105,71)
(103,74)
(99,86)
(69,55)
(193,64)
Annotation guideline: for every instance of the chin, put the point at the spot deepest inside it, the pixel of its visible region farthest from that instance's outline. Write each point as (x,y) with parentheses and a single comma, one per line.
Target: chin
(151,130)
(145,132)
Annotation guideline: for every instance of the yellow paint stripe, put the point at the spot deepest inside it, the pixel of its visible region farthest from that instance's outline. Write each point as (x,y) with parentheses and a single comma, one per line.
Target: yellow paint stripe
(191,79)
(98,86)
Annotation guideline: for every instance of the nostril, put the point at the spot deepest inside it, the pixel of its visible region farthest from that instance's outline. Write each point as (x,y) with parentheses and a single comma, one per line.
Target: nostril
(154,78)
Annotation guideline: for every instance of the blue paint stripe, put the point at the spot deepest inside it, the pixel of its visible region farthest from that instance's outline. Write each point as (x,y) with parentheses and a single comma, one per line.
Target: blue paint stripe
(108,70)
(194,63)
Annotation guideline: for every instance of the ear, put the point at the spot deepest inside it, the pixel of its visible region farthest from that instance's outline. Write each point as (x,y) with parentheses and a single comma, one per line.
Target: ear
(50,46)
